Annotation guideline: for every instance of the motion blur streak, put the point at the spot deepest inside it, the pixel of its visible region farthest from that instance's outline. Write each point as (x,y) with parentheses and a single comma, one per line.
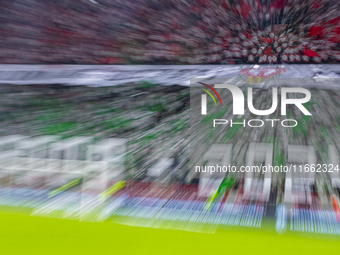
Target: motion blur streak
(109,119)
(169,31)
(121,154)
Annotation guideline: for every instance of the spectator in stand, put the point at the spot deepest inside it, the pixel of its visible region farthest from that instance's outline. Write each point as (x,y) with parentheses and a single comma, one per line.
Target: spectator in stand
(170,32)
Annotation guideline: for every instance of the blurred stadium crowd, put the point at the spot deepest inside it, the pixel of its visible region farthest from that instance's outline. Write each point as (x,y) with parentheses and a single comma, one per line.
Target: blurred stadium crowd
(169,31)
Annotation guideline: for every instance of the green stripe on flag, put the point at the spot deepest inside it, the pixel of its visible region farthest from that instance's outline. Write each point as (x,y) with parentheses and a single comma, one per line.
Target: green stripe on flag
(64,187)
(110,191)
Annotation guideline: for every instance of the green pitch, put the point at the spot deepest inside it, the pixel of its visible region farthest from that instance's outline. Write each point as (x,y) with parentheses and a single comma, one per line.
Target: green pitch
(22,234)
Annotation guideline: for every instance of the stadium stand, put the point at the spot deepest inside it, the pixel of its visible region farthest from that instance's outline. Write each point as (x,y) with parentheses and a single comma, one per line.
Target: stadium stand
(169,32)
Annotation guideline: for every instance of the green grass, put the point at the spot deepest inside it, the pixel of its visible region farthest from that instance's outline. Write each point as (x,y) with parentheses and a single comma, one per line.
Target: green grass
(215,115)
(182,124)
(147,139)
(156,107)
(186,94)
(146,85)
(55,129)
(233,130)
(21,234)
(117,123)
